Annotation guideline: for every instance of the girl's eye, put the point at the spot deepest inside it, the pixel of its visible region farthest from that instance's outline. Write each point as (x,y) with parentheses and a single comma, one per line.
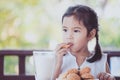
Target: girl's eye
(76,31)
(65,30)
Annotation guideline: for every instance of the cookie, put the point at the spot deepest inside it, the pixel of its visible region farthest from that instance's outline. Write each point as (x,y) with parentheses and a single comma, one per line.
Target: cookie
(84,70)
(73,71)
(87,76)
(73,76)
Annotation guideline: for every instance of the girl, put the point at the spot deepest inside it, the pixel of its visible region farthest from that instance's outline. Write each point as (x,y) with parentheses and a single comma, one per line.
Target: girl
(80,25)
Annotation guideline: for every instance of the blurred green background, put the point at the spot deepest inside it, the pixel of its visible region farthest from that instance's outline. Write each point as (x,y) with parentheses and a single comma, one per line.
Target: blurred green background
(36,24)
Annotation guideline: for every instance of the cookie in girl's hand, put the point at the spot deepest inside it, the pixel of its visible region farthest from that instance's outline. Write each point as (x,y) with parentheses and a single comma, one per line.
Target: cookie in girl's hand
(67,45)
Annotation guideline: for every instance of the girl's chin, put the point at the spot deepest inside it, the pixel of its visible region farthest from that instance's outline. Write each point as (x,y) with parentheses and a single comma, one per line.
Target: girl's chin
(71,50)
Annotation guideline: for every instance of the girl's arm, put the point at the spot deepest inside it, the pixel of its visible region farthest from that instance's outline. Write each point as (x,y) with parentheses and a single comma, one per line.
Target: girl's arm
(60,52)
(56,72)
(107,68)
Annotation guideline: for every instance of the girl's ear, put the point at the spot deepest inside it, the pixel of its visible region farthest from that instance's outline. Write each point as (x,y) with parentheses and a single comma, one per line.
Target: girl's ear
(92,34)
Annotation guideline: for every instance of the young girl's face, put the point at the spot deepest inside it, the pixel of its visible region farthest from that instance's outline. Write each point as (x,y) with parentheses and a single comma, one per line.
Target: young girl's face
(74,32)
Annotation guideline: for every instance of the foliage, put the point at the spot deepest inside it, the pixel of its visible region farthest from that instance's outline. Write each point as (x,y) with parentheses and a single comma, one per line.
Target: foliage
(28,24)
(109,32)
(10,65)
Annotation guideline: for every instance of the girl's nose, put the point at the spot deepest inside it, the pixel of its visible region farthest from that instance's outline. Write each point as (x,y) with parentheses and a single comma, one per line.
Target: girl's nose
(69,35)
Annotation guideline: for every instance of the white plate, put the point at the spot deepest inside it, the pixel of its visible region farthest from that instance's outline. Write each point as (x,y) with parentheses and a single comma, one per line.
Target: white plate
(94,79)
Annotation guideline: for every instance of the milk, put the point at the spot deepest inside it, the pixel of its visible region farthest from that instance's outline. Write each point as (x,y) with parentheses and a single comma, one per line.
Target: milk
(44,61)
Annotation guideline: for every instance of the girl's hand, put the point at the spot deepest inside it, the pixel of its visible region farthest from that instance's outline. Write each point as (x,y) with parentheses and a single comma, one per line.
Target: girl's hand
(105,76)
(60,52)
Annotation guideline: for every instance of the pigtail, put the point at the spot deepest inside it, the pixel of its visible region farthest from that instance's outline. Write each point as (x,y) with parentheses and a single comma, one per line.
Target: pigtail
(98,53)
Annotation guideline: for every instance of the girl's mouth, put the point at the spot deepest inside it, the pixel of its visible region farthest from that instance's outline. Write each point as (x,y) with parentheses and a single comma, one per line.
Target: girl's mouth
(70,44)
(67,45)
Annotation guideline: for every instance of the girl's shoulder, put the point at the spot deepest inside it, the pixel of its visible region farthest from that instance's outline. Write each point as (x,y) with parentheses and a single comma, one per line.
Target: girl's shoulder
(102,61)
(104,57)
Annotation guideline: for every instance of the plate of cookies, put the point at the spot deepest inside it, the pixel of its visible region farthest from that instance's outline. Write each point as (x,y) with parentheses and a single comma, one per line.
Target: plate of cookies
(75,74)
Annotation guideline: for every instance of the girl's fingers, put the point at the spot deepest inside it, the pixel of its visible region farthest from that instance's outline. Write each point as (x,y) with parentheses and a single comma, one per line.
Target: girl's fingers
(62,52)
(105,76)
(59,56)
(111,77)
(59,46)
(100,76)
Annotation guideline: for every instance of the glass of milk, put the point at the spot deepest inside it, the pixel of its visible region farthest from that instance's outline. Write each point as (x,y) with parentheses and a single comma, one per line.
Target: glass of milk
(44,63)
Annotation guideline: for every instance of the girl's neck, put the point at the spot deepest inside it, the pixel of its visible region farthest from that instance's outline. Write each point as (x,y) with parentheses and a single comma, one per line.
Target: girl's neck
(82,53)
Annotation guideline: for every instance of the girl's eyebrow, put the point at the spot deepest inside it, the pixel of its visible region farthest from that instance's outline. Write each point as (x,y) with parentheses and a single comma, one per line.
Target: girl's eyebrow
(77,28)
(64,27)
(73,27)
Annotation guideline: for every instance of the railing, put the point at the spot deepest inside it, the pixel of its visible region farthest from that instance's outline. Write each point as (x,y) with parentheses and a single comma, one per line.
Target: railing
(22,54)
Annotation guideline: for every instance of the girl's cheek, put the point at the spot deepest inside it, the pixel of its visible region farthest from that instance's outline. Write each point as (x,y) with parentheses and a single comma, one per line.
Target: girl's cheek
(64,40)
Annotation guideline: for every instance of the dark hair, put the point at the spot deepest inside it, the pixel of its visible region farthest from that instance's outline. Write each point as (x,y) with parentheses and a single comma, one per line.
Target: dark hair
(90,20)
